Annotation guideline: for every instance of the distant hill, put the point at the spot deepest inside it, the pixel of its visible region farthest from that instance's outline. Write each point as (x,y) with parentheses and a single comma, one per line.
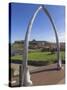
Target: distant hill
(36,44)
(17,46)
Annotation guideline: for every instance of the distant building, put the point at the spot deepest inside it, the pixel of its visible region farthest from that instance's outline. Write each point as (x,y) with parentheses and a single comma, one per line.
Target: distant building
(35,45)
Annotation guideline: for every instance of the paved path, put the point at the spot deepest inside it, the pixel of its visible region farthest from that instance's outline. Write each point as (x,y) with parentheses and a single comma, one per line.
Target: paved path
(47,78)
(46,75)
(61,81)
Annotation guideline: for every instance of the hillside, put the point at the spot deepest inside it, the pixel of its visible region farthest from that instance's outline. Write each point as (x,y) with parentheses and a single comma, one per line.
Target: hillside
(36,44)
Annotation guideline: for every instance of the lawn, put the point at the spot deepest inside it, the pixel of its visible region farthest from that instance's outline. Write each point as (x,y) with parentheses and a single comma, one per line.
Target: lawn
(40,56)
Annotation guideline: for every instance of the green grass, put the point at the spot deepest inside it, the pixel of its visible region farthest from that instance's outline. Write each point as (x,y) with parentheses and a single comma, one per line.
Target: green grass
(39,56)
(17,57)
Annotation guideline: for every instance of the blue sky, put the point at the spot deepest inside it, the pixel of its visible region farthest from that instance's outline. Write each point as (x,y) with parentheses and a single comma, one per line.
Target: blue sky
(42,29)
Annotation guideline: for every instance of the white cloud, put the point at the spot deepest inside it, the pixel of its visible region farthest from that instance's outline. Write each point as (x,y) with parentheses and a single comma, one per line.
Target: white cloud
(61,37)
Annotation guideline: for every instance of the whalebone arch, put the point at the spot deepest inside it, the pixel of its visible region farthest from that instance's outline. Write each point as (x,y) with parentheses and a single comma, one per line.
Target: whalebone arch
(26,74)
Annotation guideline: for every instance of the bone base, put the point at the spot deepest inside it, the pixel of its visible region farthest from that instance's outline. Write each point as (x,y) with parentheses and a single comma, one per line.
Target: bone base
(59,65)
(27,81)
